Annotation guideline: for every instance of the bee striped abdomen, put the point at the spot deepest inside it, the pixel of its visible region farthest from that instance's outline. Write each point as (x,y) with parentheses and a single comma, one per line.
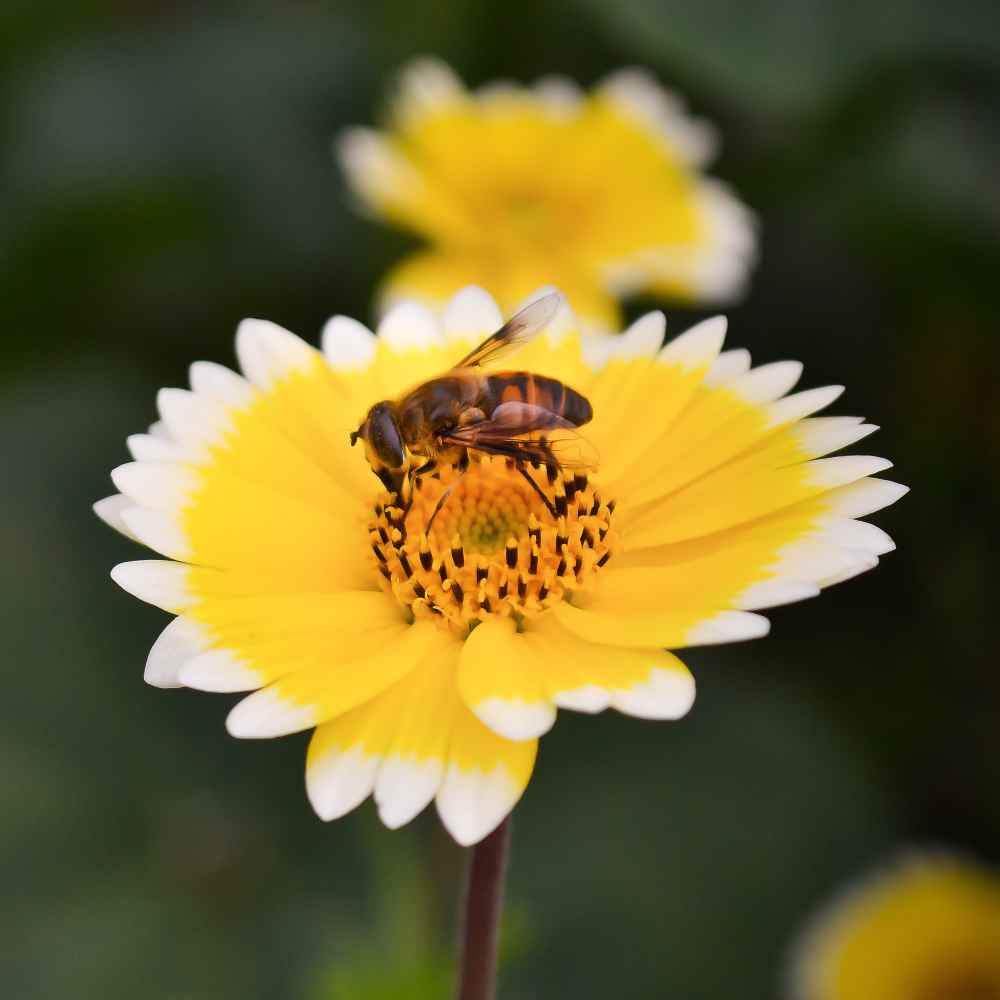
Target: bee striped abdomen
(538,390)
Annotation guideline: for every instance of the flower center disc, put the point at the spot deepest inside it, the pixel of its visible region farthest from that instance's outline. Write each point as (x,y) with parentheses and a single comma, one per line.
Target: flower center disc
(495,548)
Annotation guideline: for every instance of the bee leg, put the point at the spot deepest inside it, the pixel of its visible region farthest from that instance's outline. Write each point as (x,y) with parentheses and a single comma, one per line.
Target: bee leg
(443,499)
(547,448)
(429,466)
(462,466)
(537,489)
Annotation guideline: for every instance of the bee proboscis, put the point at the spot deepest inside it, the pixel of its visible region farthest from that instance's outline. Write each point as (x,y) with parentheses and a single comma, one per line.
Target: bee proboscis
(528,418)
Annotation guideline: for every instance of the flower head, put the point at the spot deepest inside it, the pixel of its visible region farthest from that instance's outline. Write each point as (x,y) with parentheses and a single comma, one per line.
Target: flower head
(600,194)
(926,929)
(431,656)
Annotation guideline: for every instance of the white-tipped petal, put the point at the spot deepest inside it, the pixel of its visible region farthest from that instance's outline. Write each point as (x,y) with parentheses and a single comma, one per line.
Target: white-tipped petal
(597,349)
(153,448)
(160,530)
(360,152)
(221,383)
(109,510)
(638,93)
(424,85)
(697,347)
(155,581)
(732,238)
(665,694)
(561,96)
(642,339)
(768,382)
(349,346)
(823,435)
(219,670)
(470,316)
(340,780)
(727,366)
(180,641)
(515,718)
(405,786)
(499,92)
(720,275)
(266,714)
(267,352)
(158,429)
(860,566)
(865,497)
(814,559)
(194,421)
(728,626)
(159,485)
(373,169)
(589,698)
(801,404)
(410,326)
(721,272)
(472,803)
(773,593)
(832,472)
(858,535)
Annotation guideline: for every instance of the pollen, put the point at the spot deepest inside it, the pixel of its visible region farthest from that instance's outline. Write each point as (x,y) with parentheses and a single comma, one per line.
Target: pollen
(506,540)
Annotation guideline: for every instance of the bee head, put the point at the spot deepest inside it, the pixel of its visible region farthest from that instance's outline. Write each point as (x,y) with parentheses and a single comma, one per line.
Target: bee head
(383,441)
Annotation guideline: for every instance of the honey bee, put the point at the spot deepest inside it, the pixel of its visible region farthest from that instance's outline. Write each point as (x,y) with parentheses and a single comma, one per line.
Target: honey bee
(528,418)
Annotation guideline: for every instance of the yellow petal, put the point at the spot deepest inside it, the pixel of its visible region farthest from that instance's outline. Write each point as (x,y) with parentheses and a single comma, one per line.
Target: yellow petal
(328,684)
(577,674)
(675,627)
(414,742)
(384,176)
(638,400)
(273,634)
(718,425)
(232,524)
(695,591)
(655,205)
(740,491)
(314,411)
(926,927)
(485,777)
(499,680)
(395,744)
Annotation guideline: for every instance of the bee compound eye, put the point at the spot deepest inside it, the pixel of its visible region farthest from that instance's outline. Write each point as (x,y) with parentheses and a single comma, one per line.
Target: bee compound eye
(386,439)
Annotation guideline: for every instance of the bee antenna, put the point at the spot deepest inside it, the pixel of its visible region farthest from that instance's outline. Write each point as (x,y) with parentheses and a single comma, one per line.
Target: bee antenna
(354,438)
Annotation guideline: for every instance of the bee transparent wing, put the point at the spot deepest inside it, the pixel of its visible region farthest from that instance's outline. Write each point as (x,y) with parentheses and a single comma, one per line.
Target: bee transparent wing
(528,433)
(564,450)
(521,328)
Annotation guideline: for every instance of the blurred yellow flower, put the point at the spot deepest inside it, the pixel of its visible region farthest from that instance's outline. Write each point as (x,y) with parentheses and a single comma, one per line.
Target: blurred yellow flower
(927,929)
(599,194)
(430,661)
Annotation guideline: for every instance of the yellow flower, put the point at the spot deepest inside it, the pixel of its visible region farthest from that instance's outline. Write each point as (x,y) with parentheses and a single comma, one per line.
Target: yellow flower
(927,929)
(430,662)
(598,194)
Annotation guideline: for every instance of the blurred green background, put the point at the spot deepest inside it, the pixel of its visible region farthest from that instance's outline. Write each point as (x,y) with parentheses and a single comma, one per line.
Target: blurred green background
(166,171)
